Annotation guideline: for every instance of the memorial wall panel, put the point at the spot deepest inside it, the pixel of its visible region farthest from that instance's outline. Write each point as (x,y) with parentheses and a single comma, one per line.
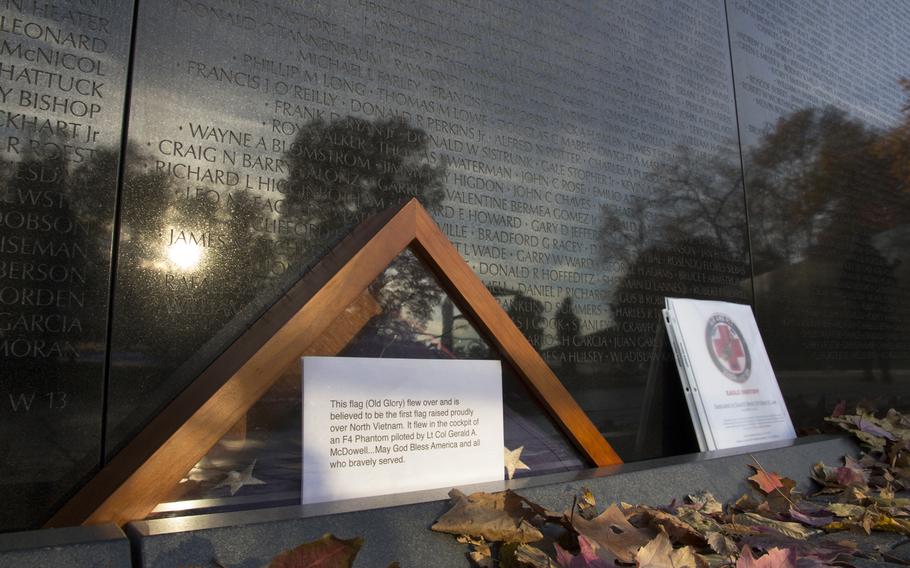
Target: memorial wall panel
(582,158)
(63,68)
(819,94)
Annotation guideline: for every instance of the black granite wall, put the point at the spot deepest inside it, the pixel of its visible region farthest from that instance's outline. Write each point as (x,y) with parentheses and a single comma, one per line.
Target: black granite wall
(587,161)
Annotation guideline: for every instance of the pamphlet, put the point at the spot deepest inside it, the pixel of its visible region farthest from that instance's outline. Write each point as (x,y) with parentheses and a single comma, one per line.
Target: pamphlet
(730,387)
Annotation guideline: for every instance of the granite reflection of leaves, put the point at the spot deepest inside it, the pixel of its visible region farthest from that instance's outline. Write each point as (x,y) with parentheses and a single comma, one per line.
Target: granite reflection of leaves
(775,526)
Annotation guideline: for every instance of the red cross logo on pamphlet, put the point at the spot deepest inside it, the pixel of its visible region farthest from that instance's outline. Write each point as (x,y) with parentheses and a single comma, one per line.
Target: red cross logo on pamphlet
(728,348)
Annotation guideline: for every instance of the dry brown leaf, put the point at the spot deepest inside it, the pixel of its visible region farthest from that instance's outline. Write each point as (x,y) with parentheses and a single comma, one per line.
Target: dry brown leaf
(493,516)
(659,553)
(846,510)
(534,557)
(705,502)
(587,499)
(612,531)
(677,529)
(721,544)
(776,558)
(793,530)
(327,552)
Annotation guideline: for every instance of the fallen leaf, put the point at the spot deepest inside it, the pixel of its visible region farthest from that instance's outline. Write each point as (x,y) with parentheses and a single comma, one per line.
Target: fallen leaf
(587,497)
(794,530)
(839,409)
(705,502)
(826,551)
(776,558)
(493,516)
(481,553)
(526,555)
(846,510)
(722,544)
(327,552)
(780,500)
(745,503)
(813,518)
(612,531)
(704,524)
(659,553)
(851,474)
(765,481)
(587,557)
(512,461)
(656,554)
(677,529)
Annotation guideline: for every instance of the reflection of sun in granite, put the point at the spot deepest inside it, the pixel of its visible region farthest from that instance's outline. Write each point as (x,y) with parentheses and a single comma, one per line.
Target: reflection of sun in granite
(236,479)
(185,255)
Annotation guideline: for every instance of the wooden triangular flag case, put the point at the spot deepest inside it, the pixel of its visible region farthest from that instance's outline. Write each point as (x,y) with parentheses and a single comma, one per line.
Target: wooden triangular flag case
(141,475)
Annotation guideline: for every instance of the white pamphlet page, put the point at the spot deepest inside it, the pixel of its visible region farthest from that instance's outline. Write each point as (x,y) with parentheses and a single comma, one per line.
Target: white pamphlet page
(380,426)
(730,386)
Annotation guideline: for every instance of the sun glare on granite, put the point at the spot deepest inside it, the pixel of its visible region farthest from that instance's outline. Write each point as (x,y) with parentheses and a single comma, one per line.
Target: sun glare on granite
(185,255)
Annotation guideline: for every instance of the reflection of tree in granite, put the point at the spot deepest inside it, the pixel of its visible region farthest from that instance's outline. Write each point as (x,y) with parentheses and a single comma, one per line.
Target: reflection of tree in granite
(894,145)
(568,327)
(56,266)
(693,196)
(821,191)
(187,266)
(528,315)
(192,305)
(682,234)
(814,181)
(665,243)
(868,283)
(343,171)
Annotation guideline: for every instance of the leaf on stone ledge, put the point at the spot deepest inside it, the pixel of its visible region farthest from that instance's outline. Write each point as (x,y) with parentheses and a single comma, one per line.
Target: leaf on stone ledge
(814,518)
(704,524)
(587,557)
(820,549)
(776,558)
(794,530)
(705,502)
(765,481)
(327,552)
(745,503)
(722,544)
(846,510)
(493,516)
(587,499)
(612,531)
(533,557)
(839,409)
(678,530)
(780,500)
(659,553)
(851,474)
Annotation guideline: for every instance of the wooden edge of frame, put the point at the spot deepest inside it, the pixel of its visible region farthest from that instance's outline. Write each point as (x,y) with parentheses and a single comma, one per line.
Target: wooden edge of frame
(472,296)
(143,472)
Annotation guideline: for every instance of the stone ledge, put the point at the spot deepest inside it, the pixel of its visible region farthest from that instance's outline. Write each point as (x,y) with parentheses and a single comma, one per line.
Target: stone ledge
(102,546)
(397,528)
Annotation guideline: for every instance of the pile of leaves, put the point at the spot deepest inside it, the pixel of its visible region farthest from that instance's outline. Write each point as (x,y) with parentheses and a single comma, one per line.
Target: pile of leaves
(776,526)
